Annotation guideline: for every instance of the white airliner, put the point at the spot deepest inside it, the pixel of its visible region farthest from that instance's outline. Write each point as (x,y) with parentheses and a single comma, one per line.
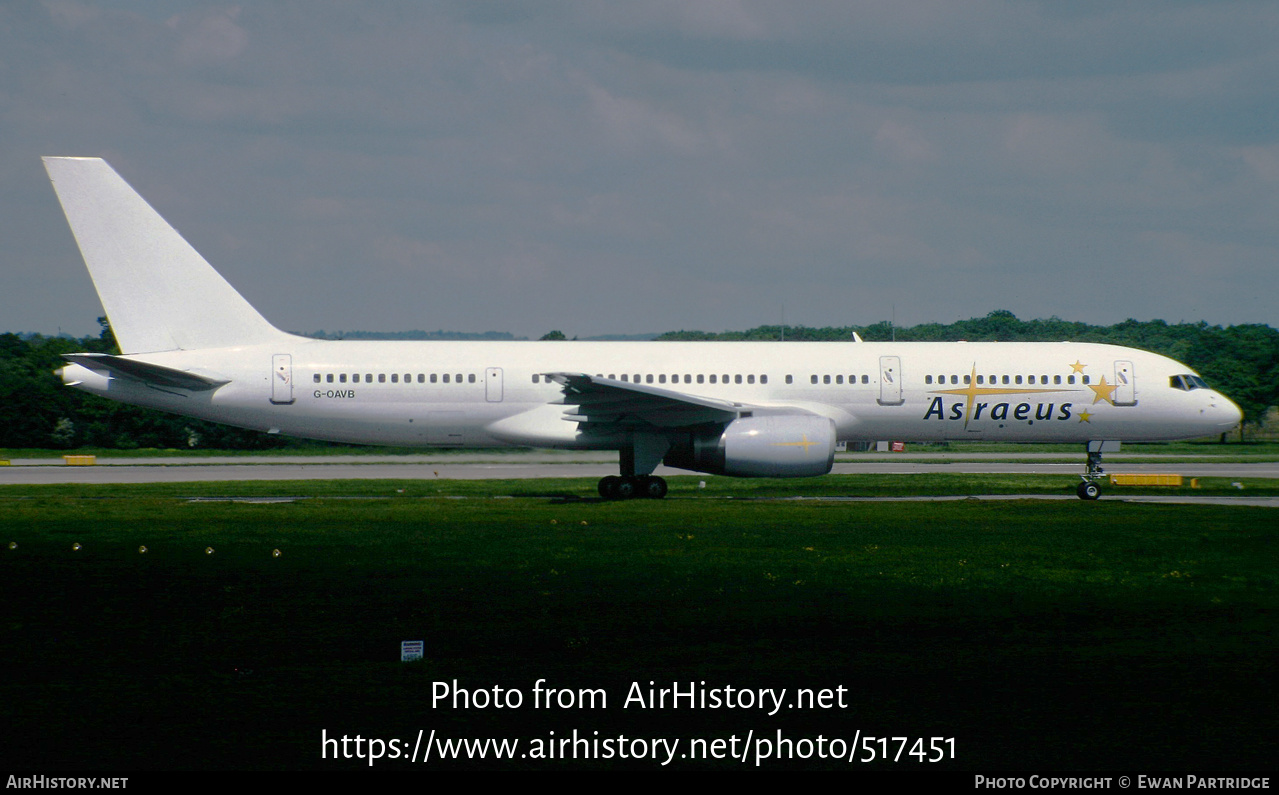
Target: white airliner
(193,346)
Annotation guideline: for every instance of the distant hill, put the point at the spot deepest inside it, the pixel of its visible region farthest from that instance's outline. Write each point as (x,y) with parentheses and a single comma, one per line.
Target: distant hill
(455,335)
(622,337)
(410,335)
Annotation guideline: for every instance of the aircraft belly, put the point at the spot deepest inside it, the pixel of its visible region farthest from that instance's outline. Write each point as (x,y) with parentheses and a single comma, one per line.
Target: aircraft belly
(407,423)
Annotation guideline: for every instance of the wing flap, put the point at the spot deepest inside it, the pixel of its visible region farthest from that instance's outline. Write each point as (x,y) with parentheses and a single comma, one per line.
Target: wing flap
(596,400)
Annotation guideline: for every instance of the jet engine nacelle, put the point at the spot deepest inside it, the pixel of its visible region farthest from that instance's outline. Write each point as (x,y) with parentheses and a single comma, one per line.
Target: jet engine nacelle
(769,446)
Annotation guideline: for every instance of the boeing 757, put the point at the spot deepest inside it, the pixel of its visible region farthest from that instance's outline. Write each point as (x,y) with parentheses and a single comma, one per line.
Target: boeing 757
(194,346)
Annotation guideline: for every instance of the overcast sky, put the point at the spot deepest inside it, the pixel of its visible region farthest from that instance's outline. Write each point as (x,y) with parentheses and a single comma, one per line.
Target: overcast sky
(628,167)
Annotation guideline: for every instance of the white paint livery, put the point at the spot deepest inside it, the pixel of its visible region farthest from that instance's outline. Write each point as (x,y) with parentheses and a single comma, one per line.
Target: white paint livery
(193,346)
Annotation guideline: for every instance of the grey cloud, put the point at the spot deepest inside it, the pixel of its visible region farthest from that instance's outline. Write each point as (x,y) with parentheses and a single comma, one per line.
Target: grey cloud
(606,167)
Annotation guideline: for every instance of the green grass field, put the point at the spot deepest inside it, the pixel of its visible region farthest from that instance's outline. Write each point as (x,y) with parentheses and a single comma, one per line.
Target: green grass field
(1039,635)
(1192,450)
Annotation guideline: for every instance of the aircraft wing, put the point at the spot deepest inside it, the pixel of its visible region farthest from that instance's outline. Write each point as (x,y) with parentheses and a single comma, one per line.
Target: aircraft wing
(593,399)
(150,374)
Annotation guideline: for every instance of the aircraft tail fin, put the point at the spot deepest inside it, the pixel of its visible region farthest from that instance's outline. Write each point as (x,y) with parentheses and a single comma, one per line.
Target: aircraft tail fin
(158,292)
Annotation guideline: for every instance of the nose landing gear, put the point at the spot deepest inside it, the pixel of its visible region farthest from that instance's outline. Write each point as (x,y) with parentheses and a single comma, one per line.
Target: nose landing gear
(1090,489)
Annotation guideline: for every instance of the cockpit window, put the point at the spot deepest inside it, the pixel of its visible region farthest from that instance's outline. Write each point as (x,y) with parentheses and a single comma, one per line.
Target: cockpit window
(1187,382)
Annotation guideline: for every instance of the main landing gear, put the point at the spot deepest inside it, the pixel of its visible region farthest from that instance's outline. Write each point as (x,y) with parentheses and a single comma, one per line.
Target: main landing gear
(1090,489)
(641,454)
(627,487)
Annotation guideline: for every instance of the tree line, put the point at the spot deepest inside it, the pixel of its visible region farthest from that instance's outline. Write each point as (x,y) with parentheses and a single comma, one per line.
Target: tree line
(38,411)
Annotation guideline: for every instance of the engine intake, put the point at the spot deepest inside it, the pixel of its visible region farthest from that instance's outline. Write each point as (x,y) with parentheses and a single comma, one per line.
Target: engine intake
(768,446)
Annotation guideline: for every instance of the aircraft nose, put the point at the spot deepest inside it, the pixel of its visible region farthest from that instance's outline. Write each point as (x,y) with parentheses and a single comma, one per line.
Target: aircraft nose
(1225,413)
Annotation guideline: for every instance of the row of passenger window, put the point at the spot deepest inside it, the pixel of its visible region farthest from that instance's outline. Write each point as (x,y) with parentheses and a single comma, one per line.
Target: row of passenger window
(688,378)
(382,378)
(714,378)
(700,378)
(838,379)
(1015,379)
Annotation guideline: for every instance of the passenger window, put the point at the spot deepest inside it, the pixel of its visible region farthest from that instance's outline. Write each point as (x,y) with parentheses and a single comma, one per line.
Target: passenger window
(790,379)
(1056,379)
(750,379)
(1031,379)
(661,378)
(1086,379)
(458,378)
(839,379)
(381,378)
(688,378)
(433,376)
(395,378)
(317,378)
(825,379)
(1070,379)
(813,379)
(470,379)
(865,379)
(701,378)
(737,379)
(1017,379)
(535,378)
(763,379)
(981,379)
(342,378)
(1005,379)
(446,378)
(648,379)
(954,379)
(968,379)
(712,378)
(626,378)
(329,378)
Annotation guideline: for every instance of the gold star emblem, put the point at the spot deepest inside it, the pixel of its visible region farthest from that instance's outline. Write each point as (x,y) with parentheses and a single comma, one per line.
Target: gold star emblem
(1077,367)
(804,443)
(1104,391)
(1085,417)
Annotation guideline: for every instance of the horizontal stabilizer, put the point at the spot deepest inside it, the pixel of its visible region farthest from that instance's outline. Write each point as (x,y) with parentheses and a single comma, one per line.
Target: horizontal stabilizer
(147,373)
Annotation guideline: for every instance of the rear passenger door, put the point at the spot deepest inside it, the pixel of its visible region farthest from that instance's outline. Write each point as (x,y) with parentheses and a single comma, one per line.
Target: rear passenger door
(493,385)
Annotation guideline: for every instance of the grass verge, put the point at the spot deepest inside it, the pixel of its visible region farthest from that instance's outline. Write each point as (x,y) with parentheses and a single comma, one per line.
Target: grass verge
(1038,635)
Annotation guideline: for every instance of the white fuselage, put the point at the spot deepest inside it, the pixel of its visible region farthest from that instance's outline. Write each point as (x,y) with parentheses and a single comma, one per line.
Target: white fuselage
(484,394)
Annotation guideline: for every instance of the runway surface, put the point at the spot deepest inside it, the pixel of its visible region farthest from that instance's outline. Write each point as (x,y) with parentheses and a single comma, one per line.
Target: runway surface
(557,464)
